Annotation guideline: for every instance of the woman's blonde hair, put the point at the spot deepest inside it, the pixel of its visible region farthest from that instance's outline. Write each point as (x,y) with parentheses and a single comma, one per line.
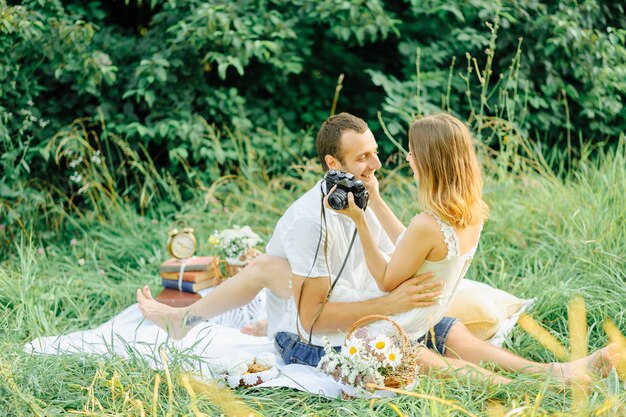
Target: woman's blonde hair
(450,181)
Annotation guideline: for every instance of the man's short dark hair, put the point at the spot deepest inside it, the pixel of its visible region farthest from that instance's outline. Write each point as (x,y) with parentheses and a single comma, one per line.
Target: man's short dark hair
(328,141)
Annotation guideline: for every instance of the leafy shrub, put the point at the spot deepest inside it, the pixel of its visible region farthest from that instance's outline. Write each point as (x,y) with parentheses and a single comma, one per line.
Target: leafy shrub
(203,89)
(569,76)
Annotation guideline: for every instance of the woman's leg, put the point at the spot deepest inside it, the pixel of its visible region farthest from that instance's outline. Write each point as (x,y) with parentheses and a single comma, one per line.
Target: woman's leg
(464,345)
(263,272)
(440,366)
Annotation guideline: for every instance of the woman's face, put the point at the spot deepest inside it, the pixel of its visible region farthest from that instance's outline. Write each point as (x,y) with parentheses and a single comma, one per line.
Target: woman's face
(411,162)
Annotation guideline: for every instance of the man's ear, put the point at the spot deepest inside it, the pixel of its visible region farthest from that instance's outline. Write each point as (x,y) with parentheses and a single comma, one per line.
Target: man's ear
(332,162)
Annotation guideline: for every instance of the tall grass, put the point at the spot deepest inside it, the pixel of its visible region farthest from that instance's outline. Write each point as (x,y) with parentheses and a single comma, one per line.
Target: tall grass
(557,230)
(550,237)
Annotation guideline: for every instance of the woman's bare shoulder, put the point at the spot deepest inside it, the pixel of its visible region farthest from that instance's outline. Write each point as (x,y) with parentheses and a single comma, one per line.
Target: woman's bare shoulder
(424,223)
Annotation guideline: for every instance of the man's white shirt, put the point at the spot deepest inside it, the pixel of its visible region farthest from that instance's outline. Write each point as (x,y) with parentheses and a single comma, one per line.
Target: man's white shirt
(296,239)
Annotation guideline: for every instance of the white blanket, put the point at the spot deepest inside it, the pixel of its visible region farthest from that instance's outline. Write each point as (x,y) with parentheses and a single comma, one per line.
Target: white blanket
(207,344)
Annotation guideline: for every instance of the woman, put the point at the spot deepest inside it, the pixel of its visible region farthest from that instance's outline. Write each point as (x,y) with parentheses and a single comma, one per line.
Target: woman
(443,238)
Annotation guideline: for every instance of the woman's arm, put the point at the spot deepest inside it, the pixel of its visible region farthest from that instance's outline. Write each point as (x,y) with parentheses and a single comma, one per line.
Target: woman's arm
(409,255)
(391,224)
(412,250)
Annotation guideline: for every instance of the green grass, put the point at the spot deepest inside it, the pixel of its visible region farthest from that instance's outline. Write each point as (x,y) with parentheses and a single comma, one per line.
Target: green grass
(549,237)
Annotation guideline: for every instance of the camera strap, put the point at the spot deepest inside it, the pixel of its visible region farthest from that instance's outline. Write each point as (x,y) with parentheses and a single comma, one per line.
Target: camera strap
(323,227)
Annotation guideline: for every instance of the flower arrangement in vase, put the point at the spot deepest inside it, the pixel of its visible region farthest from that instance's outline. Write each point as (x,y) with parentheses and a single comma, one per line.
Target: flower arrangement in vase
(237,245)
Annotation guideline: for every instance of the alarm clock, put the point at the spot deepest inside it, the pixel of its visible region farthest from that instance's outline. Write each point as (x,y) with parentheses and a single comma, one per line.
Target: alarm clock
(181,244)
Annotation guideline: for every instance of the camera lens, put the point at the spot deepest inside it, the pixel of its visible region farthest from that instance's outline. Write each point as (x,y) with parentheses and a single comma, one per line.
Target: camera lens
(338,199)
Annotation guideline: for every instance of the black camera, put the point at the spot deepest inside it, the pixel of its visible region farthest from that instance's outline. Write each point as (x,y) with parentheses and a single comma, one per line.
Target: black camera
(345,183)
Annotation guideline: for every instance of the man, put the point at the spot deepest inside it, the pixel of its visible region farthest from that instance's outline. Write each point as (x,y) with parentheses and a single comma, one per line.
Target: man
(344,143)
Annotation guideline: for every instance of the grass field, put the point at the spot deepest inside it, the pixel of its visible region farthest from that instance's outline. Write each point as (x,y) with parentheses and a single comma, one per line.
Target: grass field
(552,237)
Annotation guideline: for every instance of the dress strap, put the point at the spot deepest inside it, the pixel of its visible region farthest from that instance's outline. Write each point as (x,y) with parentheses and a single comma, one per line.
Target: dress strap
(449,236)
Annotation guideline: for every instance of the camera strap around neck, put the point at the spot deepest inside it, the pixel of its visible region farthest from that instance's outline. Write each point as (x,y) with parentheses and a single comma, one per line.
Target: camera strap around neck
(323,227)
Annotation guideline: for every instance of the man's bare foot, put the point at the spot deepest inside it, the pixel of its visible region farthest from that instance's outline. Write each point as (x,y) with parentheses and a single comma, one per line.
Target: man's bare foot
(258,328)
(596,365)
(176,321)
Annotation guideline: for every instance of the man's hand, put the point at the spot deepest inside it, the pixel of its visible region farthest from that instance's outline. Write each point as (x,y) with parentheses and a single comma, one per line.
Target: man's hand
(413,293)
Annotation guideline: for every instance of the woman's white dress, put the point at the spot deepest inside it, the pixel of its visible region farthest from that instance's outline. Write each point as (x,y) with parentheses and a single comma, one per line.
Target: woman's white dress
(450,270)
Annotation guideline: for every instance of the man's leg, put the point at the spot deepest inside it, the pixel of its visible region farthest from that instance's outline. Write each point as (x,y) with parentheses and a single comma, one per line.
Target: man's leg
(263,272)
(464,345)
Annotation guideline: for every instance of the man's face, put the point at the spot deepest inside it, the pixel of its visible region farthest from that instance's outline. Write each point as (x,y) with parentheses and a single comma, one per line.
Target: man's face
(359,155)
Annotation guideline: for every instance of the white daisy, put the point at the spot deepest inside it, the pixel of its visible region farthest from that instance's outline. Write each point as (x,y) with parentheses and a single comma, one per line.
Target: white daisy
(381,344)
(352,348)
(393,357)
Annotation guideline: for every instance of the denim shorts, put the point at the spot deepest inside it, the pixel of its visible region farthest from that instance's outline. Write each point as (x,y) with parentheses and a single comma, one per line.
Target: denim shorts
(294,350)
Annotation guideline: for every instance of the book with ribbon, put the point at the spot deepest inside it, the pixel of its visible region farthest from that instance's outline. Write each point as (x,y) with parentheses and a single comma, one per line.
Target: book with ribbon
(175,298)
(191,274)
(193,264)
(186,286)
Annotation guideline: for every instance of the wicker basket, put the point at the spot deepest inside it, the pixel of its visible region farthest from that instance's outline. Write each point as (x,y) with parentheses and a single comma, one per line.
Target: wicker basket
(233,266)
(230,270)
(406,373)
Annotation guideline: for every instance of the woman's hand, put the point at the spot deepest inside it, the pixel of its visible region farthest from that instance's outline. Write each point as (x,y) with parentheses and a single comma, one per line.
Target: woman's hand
(353,211)
(372,186)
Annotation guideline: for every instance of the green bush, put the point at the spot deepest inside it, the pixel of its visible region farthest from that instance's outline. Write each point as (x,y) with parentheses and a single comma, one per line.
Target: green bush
(569,76)
(187,83)
(157,72)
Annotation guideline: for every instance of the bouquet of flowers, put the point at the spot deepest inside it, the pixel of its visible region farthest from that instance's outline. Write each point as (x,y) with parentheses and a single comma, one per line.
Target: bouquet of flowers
(384,359)
(236,243)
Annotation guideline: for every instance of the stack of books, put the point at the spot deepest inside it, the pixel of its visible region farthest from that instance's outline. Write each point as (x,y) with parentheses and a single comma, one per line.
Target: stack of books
(199,272)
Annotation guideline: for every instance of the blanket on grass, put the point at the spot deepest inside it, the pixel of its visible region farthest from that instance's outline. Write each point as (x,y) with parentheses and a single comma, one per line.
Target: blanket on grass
(202,350)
